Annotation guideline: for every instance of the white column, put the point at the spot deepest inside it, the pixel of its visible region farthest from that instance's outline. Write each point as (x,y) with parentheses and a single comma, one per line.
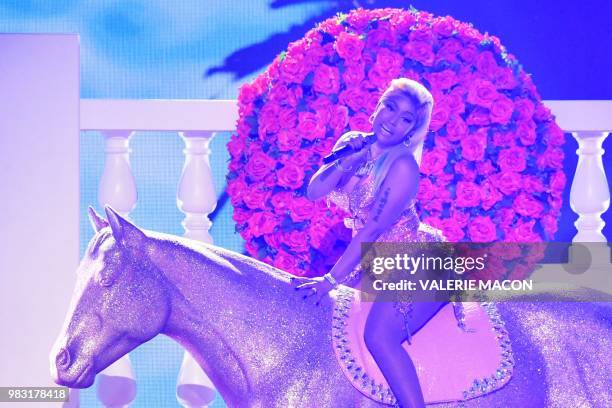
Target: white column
(116,384)
(590,198)
(197,199)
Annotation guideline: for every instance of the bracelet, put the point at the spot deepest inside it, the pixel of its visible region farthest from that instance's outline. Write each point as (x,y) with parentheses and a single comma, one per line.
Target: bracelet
(342,169)
(328,277)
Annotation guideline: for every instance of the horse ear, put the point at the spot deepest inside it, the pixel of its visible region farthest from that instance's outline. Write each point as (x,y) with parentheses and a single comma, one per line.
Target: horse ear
(125,233)
(97,222)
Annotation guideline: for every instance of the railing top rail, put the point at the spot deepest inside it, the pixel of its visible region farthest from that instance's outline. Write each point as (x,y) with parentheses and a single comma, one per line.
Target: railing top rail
(221,115)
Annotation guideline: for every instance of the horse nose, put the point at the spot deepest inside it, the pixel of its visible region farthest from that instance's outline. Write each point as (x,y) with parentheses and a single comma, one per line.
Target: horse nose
(62,360)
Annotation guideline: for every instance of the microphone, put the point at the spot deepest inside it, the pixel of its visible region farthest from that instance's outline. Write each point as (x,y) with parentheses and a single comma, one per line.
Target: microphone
(348,150)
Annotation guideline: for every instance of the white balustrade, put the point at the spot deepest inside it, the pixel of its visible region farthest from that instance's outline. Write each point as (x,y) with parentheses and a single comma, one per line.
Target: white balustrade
(196,198)
(197,120)
(116,383)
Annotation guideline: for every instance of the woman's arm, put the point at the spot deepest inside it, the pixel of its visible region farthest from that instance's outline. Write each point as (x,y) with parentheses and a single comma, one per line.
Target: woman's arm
(337,173)
(399,187)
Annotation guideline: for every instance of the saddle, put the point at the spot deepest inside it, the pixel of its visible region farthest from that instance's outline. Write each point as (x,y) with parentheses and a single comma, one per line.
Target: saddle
(452,364)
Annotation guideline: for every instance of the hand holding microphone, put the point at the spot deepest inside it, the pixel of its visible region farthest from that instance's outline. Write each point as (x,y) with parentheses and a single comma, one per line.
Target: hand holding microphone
(354,150)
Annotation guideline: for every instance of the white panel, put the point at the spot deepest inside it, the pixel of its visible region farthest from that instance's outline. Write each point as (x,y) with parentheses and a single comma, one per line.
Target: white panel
(39,199)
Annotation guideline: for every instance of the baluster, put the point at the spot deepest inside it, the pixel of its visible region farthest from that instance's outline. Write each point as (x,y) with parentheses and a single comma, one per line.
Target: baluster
(197,199)
(116,383)
(590,198)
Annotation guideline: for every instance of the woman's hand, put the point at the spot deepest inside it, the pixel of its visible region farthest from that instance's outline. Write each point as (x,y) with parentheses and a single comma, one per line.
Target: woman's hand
(359,143)
(312,289)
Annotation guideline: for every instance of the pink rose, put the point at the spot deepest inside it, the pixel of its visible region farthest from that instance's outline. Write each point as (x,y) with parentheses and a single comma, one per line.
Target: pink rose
(442,80)
(236,146)
(512,159)
(552,157)
(240,216)
(289,140)
(468,53)
(381,78)
(259,165)
(486,64)
(309,126)
(281,201)
(473,147)
(460,217)
(402,22)
(557,182)
(549,224)
(439,116)
(463,167)
(504,79)
(527,206)
(349,46)
(479,117)
(490,195)
(389,60)
(454,100)
(256,198)
(556,136)
(268,118)
(358,19)
(542,113)
(331,27)
(468,194)
(484,168)
(293,68)
(360,122)
(426,190)
(433,162)
(523,232)
(378,37)
(300,157)
(482,93)
(339,119)
(296,240)
(503,139)
(505,217)
(320,236)
(448,51)
(555,203)
(236,189)
(456,128)
(354,97)
(290,176)
(287,118)
(301,209)
(326,79)
(526,131)
(482,229)
(444,26)
(532,184)
(354,73)
(420,51)
(508,182)
(452,231)
(262,222)
(285,262)
(273,240)
(501,110)
(443,143)
(525,109)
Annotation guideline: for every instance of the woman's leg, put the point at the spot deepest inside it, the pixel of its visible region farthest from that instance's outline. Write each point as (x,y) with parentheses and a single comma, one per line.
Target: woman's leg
(385,331)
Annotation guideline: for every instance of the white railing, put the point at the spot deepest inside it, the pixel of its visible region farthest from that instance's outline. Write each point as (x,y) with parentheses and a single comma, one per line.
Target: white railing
(196,121)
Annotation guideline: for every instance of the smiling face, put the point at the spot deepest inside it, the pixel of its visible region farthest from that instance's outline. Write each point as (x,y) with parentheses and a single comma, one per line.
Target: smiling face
(395,117)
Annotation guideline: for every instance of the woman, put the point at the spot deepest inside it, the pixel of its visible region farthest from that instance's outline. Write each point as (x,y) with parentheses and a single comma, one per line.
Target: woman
(377,184)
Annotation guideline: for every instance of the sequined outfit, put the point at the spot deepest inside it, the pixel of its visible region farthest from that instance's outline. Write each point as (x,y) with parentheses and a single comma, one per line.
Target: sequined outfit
(407,228)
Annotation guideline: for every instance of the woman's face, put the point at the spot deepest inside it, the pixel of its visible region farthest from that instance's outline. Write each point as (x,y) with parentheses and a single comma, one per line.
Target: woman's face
(395,117)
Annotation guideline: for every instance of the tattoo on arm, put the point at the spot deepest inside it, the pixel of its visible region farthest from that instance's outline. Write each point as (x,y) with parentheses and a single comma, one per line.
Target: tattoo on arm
(382,203)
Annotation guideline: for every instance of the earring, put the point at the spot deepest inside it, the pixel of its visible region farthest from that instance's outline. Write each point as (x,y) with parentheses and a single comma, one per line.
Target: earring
(407,140)
(371,119)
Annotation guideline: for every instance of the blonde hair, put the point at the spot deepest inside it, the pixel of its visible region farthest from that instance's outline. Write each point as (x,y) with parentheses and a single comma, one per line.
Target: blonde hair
(423,102)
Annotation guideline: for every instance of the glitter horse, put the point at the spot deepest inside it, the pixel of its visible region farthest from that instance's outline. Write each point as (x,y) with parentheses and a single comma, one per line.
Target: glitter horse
(263,346)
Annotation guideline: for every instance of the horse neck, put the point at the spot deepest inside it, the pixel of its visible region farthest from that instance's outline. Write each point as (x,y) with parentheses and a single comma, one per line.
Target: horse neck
(217,307)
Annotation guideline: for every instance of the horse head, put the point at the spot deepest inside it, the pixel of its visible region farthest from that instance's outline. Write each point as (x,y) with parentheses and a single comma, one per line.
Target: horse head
(110,312)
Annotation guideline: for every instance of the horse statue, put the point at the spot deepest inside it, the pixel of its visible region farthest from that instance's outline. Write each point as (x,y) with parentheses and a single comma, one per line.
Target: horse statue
(262,345)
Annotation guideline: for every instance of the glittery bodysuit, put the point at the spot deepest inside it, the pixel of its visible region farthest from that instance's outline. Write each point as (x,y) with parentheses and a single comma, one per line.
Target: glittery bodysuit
(407,228)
